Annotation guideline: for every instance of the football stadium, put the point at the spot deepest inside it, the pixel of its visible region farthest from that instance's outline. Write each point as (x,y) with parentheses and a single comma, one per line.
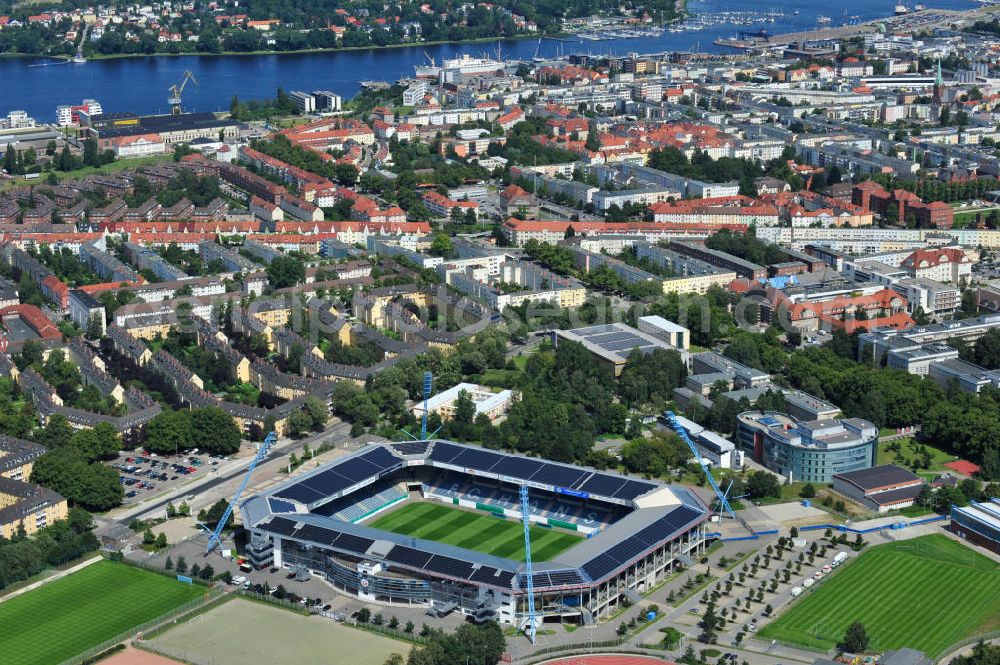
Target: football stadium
(438,524)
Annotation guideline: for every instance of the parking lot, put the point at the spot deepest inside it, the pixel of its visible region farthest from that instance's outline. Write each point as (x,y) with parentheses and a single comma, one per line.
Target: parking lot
(143,474)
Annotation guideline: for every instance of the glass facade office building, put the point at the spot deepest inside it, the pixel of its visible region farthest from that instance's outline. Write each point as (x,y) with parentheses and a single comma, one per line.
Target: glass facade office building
(809,451)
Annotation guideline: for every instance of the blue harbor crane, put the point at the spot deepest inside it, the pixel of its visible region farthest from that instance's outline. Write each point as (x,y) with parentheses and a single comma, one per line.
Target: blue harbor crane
(265,447)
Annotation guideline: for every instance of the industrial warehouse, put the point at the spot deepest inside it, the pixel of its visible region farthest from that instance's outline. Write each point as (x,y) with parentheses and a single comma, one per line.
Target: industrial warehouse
(625,534)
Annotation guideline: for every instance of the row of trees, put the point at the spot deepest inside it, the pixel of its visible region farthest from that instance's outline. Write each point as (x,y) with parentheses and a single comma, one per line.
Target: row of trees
(22,557)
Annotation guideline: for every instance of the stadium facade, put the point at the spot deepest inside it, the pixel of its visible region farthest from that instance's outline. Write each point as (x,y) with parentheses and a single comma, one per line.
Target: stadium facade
(633,532)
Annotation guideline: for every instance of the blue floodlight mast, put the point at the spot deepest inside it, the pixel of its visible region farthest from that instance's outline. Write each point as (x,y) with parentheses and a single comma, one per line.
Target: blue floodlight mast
(428,384)
(214,540)
(681,432)
(526,519)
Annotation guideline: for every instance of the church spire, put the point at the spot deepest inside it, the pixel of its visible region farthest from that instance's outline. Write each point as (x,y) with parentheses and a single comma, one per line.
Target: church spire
(938,79)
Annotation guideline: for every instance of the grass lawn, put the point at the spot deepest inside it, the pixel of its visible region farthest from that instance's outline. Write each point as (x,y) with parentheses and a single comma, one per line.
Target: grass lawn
(474,531)
(908,454)
(926,593)
(68,616)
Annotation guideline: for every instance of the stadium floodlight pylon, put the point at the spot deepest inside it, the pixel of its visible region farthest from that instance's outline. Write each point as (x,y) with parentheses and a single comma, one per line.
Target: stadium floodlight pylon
(428,384)
(265,447)
(529,629)
(681,432)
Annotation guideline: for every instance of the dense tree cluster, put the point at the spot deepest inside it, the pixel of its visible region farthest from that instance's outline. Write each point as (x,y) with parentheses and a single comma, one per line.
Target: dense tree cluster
(311,417)
(984,352)
(213,369)
(86,484)
(65,264)
(285,271)
(962,423)
(707,316)
(473,643)
(209,429)
(522,148)
(22,557)
(746,246)
(932,189)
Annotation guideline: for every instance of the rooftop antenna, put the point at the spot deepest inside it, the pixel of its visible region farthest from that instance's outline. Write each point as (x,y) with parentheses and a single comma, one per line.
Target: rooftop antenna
(262,451)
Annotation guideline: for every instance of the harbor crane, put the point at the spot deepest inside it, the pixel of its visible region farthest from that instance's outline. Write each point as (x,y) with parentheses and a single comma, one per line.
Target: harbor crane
(176,90)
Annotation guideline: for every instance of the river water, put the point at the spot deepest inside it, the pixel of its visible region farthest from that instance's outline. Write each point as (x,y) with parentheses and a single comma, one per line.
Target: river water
(140,84)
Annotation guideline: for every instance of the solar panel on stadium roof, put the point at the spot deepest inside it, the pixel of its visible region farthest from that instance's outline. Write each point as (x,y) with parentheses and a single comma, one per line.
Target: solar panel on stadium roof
(600,566)
(477,459)
(353,543)
(300,493)
(411,447)
(381,458)
(279,506)
(448,566)
(281,526)
(538,579)
(633,488)
(517,467)
(408,556)
(626,550)
(505,577)
(485,575)
(326,483)
(564,577)
(317,534)
(444,452)
(563,476)
(356,469)
(602,484)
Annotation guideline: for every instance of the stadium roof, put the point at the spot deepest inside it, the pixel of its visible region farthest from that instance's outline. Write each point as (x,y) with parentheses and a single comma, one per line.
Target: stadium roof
(659,512)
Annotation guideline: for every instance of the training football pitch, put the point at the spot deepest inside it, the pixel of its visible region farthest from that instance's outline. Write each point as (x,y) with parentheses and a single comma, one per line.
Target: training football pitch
(474,531)
(70,615)
(926,593)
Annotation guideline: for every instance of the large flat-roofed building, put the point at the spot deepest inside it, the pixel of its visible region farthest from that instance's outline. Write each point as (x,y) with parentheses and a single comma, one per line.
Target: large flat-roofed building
(741,376)
(882,488)
(181,128)
(491,404)
(804,406)
(611,343)
(672,333)
(810,451)
(978,523)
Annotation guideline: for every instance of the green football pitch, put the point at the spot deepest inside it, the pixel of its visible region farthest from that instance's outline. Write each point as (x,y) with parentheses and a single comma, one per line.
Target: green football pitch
(926,593)
(474,531)
(70,615)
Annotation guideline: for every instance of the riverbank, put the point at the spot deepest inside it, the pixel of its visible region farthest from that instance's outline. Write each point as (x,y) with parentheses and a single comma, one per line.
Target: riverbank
(679,5)
(566,37)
